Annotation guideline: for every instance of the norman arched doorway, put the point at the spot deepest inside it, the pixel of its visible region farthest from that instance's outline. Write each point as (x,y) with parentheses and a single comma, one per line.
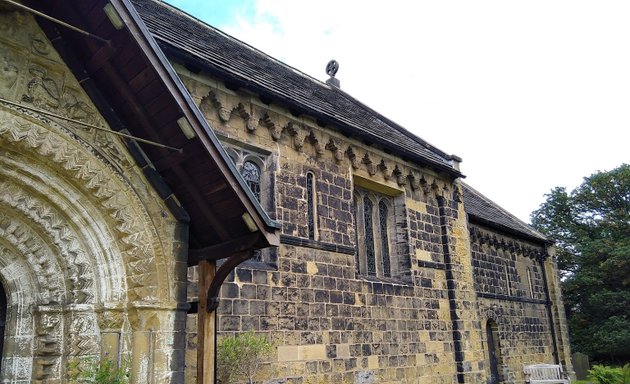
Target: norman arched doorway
(494,352)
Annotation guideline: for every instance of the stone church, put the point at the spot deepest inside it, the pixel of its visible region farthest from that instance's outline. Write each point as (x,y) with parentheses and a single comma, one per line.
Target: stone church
(163,184)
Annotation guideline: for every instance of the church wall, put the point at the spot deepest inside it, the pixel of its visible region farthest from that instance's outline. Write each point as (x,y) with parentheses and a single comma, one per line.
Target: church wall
(328,322)
(92,261)
(511,292)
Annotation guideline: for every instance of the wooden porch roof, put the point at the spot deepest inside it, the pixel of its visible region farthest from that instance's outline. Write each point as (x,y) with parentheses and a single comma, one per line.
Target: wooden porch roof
(136,90)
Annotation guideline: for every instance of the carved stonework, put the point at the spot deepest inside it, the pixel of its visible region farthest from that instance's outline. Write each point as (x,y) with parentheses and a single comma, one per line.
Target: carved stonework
(48,347)
(400,177)
(353,158)
(38,255)
(79,272)
(414,181)
(335,147)
(8,74)
(83,332)
(42,91)
(106,190)
(274,129)
(369,165)
(298,134)
(111,319)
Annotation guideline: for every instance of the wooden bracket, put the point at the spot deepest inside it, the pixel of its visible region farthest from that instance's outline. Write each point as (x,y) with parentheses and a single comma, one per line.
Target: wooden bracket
(221,274)
(225,249)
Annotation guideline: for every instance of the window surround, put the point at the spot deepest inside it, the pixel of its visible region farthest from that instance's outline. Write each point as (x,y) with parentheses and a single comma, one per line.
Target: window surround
(243,154)
(387,256)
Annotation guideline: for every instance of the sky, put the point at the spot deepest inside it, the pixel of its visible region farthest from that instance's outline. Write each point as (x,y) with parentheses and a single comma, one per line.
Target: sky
(532,95)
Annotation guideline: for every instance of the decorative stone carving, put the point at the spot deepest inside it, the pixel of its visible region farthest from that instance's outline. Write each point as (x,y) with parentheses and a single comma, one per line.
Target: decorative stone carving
(84,336)
(48,347)
(274,129)
(414,181)
(400,177)
(107,190)
(315,142)
(77,109)
(40,45)
(250,123)
(371,168)
(110,319)
(42,91)
(298,134)
(352,157)
(38,255)
(212,99)
(384,169)
(8,74)
(334,146)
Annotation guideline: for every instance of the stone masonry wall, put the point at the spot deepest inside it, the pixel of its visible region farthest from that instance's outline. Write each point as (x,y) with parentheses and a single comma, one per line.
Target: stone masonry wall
(511,293)
(329,323)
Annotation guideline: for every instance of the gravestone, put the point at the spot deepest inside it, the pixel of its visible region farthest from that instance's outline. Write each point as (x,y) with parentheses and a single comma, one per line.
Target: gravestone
(580,365)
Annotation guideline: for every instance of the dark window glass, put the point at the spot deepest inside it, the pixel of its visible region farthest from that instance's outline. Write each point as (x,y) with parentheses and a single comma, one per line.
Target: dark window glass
(251,174)
(310,200)
(357,235)
(369,237)
(382,216)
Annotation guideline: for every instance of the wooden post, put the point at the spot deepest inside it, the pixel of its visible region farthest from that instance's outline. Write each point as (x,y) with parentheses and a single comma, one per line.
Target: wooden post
(205,326)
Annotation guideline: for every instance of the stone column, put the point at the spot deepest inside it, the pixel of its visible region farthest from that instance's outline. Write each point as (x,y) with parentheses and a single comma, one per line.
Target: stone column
(110,321)
(467,333)
(557,310)
(154,350)
(48,348)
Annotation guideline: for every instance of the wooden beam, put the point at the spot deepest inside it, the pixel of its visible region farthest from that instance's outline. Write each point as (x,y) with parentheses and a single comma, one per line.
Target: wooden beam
(203,130)
(206,332)
(126,92)
(220,274)
(225,249)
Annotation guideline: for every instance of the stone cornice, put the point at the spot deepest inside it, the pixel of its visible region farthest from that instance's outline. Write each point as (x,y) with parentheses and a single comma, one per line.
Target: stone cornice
(483,237)
(237,109)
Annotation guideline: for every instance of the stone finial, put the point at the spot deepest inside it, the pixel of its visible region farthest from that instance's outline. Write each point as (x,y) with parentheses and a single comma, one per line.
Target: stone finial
(331,70)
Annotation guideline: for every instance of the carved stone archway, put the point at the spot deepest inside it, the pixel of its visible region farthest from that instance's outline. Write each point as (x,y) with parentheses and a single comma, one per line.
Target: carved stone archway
(78,252)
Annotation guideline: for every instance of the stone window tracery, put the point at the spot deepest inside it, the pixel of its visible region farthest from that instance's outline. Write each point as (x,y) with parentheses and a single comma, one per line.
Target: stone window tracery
(375,229)
(251,173)
(256,169)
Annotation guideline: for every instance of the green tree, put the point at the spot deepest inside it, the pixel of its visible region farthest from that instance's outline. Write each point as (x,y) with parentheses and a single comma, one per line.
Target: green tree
(591,227)
(241,357)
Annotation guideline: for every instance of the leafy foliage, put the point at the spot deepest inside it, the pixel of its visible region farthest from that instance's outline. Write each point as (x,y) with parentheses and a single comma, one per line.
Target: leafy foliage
(609,375)
(103,371)
(591,227)
(241,357)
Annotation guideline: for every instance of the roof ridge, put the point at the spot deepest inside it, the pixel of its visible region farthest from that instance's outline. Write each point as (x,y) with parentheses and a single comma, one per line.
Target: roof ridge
(243,43)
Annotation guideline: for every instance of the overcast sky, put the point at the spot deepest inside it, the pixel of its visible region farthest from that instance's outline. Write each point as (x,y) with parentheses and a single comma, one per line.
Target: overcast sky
(531,94)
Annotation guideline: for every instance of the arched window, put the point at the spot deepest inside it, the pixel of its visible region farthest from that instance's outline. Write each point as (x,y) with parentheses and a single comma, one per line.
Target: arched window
(370,253)
(384,233)
(311,202)
(256,169)
(251,175)
(530,282)
(375,229)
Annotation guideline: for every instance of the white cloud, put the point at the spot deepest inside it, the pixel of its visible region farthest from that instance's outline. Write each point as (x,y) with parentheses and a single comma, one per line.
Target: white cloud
(532,94)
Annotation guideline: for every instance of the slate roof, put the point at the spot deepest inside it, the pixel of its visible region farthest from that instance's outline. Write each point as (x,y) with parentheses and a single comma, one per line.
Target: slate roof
(480,208)
(184,35)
